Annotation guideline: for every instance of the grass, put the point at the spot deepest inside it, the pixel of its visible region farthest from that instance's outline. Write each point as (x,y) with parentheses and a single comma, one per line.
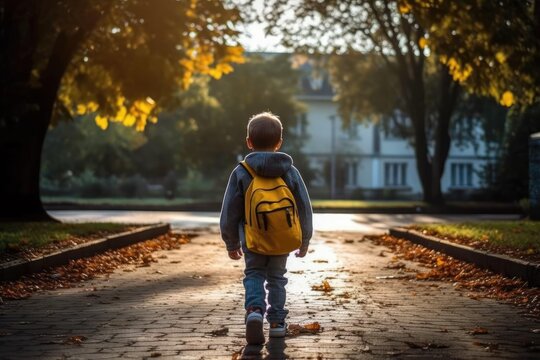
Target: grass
(360,204)
(151,201)
(522,235)
(38,234)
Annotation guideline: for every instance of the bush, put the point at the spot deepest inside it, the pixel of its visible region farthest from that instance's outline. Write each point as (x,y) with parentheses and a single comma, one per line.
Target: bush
(134,186)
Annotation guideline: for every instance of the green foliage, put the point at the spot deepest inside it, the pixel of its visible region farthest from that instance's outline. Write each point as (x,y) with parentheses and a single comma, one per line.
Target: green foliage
(19,235)
(117,60)
(490,47)
(216,136)
(364,86)
(79,146)
(144,52)
(514,234)
(190,153)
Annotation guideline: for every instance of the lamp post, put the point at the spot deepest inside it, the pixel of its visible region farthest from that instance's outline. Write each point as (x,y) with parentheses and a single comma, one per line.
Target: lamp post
(333,158)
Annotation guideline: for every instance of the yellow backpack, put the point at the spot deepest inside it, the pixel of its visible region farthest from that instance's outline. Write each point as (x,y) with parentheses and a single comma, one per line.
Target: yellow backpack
(272,226)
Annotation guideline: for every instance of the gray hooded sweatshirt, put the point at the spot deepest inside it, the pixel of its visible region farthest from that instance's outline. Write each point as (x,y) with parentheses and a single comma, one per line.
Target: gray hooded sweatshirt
(267,164)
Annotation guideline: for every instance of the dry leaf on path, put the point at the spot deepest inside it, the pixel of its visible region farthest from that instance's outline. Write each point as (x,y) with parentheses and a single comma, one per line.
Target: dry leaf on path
(296,329)
(478,331)
(325,286)
(75,340)
(487,346)
(136,255)
(220,332)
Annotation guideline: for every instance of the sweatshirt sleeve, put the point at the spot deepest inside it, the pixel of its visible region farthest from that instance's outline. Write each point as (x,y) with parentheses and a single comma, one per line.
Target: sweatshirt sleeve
(232,212)
(303,202)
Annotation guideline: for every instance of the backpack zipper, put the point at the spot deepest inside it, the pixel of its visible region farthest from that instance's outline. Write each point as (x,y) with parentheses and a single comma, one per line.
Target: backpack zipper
(251,199)
(265,218)
(270,202)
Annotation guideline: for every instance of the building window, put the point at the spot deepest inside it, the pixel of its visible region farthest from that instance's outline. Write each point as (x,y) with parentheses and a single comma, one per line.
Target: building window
(301,124)
(395,174)
(353,129)
(352,173)
(461,174)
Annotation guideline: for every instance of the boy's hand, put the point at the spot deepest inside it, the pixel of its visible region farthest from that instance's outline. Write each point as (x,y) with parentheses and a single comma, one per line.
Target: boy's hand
(301,252)
(235,254)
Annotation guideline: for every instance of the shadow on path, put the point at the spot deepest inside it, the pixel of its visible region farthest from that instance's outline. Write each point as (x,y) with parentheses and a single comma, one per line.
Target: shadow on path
(275,349)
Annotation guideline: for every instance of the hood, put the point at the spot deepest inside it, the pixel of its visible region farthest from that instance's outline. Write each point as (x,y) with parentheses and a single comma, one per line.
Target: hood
(269,164)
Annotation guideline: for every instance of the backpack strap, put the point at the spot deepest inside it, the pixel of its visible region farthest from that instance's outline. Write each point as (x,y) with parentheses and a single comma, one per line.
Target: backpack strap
(248,168)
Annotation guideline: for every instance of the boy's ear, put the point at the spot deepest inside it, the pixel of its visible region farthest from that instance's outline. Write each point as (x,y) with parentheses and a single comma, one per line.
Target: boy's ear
(278,146)
(249,144)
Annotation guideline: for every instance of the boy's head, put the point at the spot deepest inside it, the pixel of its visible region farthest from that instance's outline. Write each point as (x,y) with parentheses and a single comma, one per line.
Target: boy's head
(264,132)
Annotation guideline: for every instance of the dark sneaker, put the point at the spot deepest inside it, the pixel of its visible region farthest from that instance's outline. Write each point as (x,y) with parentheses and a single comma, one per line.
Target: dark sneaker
(278,330)
(254,327)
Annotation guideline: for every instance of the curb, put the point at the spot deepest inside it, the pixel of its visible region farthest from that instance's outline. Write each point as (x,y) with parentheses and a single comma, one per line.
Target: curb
(500,264)
(17,268)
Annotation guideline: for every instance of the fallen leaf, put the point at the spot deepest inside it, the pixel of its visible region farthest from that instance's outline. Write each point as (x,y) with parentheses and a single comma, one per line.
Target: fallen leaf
(365,349)
(220,332)
(75,340)
(487,346)
(237,355)
(325,286)
(61,277)
(478,331)
(296,329)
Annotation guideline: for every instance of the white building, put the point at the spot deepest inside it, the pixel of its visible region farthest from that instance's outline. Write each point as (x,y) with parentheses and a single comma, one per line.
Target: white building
(368,161)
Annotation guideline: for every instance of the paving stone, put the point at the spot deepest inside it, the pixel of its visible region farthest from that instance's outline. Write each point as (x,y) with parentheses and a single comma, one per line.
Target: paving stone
(172,314)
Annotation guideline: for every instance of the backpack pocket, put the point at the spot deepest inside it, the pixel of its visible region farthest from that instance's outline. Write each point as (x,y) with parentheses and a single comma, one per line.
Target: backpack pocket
(275,215)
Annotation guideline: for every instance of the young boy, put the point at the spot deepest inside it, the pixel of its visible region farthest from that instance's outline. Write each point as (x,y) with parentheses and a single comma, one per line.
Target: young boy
(264,138)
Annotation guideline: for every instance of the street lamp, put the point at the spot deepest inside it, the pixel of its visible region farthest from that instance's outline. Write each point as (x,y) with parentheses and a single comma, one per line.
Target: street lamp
(333,158)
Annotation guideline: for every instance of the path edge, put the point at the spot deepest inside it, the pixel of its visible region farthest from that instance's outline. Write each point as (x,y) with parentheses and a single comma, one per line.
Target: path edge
(15,269)
(501,264)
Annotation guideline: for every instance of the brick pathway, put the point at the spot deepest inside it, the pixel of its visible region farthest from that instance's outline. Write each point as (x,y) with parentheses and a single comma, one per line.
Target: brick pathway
(171,309)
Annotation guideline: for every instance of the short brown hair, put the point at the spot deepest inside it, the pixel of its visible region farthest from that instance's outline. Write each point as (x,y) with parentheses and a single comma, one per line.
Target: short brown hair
(264,130)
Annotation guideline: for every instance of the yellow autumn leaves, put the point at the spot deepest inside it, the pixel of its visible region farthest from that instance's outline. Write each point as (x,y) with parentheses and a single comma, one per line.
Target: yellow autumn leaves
(461,73)
(139,112)
(136,113)
(201,60)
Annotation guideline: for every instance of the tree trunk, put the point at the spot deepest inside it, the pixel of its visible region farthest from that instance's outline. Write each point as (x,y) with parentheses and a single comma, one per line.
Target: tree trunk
(449,92)
(421,152)
(27,105)
(417,111)
(20,146)
(22,129)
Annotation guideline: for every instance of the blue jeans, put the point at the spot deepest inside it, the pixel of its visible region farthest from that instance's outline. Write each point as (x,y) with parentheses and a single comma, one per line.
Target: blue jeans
(269,268)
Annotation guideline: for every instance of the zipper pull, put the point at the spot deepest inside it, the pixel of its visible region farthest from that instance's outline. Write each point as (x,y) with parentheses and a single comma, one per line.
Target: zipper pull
(265,222)
(289,221)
